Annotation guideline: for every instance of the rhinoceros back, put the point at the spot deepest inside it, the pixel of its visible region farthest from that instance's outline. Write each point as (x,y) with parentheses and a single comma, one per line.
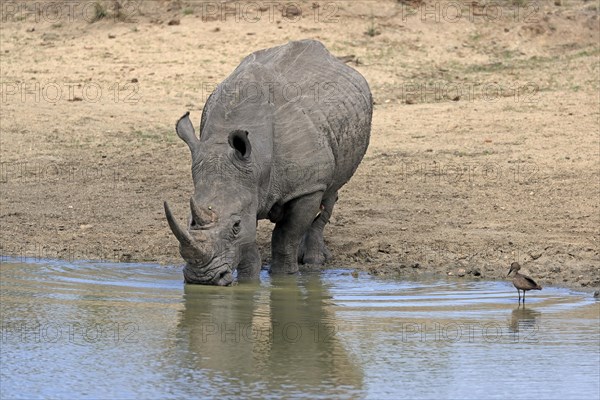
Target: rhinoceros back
(320,115)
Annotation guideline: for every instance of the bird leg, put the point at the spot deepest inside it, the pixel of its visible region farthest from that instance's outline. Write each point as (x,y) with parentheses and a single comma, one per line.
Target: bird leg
(519,292)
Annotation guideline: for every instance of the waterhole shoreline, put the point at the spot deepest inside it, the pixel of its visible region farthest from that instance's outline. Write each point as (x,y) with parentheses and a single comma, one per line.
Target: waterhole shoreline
(386,273)
(382,272)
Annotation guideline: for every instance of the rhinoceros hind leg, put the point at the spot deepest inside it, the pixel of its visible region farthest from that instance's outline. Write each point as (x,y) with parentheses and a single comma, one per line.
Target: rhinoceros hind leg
(312,248)
(296,220)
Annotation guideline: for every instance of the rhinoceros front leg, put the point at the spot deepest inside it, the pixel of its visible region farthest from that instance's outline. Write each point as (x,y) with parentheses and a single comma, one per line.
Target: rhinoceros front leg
(250,263)
(312,248)
(298,215)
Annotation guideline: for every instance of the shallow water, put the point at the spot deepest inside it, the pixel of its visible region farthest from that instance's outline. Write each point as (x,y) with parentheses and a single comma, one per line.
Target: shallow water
(84,330)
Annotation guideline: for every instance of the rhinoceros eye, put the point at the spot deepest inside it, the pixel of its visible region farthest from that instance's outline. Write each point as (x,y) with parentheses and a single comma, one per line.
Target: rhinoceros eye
(237,226)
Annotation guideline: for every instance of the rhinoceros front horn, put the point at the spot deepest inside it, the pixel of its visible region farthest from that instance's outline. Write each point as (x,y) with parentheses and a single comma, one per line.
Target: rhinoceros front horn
(181,234)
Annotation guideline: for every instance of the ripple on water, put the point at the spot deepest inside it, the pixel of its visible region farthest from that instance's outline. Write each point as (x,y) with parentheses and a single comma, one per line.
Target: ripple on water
(136,330)
(386,297)
(59,280)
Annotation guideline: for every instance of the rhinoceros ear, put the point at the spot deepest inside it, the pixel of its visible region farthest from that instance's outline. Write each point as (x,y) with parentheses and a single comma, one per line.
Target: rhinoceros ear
(185,130)
(238,140)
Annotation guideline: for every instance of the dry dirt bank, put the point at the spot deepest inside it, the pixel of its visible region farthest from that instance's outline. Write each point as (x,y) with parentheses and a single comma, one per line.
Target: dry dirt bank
(485,142)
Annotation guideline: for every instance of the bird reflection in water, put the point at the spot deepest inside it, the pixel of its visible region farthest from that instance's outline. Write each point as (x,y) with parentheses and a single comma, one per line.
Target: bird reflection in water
(524,319)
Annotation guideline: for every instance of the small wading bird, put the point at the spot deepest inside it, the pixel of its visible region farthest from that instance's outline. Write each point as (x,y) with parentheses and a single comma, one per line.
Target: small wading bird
(522,282)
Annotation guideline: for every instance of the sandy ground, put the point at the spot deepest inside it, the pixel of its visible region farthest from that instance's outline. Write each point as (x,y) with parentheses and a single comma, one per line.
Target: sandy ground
(484,149)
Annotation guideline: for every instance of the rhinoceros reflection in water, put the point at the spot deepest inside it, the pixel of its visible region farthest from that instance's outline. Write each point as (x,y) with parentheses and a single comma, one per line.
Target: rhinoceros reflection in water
(259,340)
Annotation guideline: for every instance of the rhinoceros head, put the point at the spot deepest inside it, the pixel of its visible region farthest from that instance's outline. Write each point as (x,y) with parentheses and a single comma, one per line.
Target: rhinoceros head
(222,210)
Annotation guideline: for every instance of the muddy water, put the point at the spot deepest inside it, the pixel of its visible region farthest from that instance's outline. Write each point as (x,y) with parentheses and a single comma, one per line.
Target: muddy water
(89,330)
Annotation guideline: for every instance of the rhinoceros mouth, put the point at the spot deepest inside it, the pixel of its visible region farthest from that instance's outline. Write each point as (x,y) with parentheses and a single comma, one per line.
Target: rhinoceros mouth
(220,276)
(203,265)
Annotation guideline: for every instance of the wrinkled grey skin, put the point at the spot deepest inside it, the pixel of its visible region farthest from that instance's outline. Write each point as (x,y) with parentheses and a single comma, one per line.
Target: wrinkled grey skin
(278,139)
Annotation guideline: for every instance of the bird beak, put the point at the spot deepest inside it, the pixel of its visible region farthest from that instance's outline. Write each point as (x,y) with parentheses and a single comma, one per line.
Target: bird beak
(509,272)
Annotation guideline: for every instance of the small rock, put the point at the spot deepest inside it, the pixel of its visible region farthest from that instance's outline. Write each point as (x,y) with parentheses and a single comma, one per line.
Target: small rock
(354,274)
(174,21)
(535,255)
(292,11)
(111,36)
(346,59)
(456,98)
(174,6)
(134,80)
(476,272)
(30,30)
(450,273)
(461,272)
(374,271)
(597,294)
(397,268)
(217,29)
(363,255)
(384,248)
(415,265)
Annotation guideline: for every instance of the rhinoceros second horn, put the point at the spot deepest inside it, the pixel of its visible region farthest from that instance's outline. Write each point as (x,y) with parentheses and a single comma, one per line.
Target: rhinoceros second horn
(201,217)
